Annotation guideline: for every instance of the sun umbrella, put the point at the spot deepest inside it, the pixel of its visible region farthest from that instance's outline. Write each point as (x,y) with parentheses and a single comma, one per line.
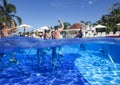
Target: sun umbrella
(39,30)
(24,26)
(100,26)
(44,28)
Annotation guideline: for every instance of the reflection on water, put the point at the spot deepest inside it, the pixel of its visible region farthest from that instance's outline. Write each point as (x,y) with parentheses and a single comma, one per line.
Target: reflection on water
(98,71)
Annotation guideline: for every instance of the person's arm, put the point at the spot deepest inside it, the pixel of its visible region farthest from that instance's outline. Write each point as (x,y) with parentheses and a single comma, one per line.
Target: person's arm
(13,28)
(13,24)
(62,25)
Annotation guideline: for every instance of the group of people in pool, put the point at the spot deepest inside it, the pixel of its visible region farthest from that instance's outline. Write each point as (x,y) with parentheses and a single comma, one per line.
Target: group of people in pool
(56,34)
(47,34)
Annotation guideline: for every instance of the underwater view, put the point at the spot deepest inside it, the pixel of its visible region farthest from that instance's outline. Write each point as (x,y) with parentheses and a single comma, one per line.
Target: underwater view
(32,61)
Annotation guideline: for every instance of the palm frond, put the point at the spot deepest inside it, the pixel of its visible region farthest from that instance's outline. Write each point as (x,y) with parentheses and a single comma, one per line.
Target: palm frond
(11,8)
(4,3)
(1,8)
(7,11)
(19,20)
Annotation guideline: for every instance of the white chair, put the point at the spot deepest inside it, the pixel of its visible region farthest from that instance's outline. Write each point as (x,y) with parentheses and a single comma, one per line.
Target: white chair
(98,34)
(117,33)
(103,34)
(110,33)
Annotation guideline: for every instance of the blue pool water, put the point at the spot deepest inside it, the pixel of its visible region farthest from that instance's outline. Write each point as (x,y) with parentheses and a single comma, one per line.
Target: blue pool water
(87,61)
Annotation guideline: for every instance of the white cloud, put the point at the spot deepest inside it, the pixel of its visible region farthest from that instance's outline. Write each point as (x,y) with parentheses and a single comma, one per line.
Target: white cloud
(90,2)
(57,5)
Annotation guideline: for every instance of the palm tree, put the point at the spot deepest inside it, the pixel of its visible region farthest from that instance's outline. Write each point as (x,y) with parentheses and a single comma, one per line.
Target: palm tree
(7,13)
(111,19)
(115,11)
(108,21)
(66,25)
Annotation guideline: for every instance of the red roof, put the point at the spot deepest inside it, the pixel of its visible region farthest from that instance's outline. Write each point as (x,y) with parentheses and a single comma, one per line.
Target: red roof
(76,26)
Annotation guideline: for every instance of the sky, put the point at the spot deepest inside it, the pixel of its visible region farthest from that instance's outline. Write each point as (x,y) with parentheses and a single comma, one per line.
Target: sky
(39,13)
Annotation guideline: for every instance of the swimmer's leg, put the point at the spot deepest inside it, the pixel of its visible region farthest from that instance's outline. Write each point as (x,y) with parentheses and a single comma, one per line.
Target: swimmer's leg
(15,62)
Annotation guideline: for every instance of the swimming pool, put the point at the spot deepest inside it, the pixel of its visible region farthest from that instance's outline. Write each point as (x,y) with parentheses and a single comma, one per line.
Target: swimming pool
(87,61)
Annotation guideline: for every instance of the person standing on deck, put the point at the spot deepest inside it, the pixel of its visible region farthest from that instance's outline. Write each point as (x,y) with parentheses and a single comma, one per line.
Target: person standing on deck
(79,34)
